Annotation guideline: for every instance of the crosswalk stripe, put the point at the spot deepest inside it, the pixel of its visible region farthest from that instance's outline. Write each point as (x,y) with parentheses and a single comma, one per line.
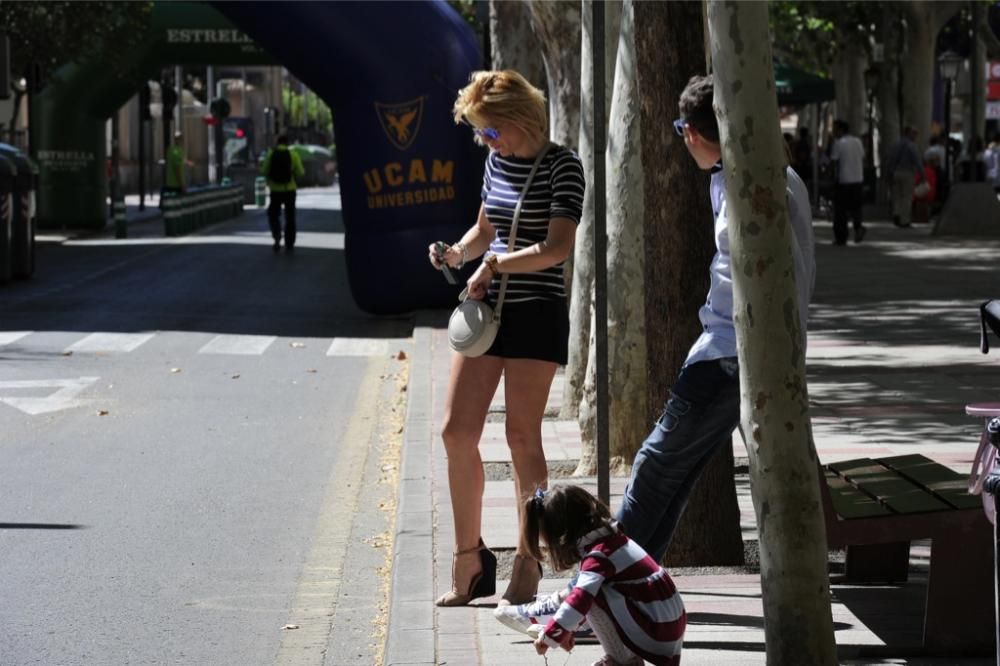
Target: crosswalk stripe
(7,337)
(238,344)
(362,346)
(110,342)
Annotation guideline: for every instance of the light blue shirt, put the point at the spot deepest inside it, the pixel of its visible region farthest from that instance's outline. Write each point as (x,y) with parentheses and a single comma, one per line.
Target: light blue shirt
(718,336)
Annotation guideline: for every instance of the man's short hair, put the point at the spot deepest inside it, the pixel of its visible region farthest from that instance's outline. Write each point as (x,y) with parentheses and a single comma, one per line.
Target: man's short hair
(842,126)
(695,105)
(283,139)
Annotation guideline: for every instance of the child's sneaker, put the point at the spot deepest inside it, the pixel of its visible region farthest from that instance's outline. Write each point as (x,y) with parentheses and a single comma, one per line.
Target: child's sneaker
(583,633)
(531,618)
(523,616)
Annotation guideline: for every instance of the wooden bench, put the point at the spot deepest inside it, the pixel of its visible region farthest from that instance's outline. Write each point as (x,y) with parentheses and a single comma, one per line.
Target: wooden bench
(876,507)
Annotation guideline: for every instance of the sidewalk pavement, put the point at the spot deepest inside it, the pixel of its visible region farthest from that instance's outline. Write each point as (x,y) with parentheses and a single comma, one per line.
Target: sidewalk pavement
(893,358)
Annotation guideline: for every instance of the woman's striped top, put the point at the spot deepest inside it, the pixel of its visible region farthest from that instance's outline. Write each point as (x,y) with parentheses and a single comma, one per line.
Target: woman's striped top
(556,191)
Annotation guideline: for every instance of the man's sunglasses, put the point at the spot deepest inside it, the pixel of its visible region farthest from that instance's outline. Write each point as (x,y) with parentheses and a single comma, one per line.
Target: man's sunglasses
(679,126)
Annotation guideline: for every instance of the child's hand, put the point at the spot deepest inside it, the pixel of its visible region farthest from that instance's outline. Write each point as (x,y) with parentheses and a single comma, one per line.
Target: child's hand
(540,646)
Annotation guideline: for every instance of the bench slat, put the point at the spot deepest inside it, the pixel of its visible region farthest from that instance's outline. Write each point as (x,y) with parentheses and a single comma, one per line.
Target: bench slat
(945,483)
(849,502)
(897,493)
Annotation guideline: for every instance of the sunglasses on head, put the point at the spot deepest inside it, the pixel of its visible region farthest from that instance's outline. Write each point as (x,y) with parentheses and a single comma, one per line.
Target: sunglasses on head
(679,126)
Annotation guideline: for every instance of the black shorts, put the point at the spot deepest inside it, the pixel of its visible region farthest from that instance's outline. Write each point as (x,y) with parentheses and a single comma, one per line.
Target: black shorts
(534,329)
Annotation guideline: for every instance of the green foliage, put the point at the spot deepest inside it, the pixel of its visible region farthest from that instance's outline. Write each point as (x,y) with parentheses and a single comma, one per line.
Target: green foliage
(810,34)
(467,10)
(305,109)
(51,34)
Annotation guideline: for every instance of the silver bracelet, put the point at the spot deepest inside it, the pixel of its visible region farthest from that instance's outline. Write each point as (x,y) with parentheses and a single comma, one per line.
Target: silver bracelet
(465,253)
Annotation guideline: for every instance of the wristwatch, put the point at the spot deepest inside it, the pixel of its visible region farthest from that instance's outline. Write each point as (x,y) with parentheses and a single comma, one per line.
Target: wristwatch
(493,263)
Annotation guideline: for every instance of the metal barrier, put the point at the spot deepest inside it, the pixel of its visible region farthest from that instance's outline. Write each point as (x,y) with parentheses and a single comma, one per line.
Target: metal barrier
(121,225)
(199,207)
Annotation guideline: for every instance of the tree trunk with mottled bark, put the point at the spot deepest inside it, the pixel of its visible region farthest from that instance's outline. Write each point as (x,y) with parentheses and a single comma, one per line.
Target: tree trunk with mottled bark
(513,44)
(849,80)
(924,20)
(581,287)
(557,28)
(626,320)
(889,122)
(774,403)
(679,244)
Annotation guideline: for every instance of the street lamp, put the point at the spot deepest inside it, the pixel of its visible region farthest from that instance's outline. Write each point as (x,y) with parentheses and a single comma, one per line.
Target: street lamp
(949,63)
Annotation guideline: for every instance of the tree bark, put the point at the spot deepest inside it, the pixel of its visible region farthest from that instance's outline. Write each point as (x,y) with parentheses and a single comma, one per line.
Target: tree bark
(513,44)
(924,20)
(581,287)
(626,320)
(849,80)
(774,402)
(678,246)
(889,114)
(557,28)
(977,60)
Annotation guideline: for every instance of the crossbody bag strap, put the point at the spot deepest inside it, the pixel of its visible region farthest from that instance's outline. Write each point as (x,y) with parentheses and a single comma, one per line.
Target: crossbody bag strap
(512,243)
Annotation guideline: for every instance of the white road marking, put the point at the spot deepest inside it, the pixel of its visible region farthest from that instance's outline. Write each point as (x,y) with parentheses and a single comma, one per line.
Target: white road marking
(238,344)
(7,337)
(63,398)
(363,346)
(110,342)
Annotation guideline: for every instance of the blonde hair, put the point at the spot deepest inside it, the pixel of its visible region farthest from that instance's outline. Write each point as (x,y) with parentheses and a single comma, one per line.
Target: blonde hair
(493,96)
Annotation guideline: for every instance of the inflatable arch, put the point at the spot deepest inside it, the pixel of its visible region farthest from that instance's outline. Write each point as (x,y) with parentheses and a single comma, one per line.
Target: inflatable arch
(388,70)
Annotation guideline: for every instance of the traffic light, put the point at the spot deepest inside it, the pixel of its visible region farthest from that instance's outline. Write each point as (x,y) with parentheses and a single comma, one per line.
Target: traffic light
(220,108)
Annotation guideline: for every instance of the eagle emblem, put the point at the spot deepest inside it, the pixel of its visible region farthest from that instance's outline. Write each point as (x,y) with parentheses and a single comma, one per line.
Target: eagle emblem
(401,121)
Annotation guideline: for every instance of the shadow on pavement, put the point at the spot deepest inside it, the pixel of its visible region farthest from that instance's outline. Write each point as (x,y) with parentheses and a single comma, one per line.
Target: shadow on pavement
(222,279)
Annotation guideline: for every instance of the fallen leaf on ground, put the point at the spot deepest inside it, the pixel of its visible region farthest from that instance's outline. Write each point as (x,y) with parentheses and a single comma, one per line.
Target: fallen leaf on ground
(311,370)
(175,370)
(401,356)
(290,626)
(102,412)
(236,376)
(67,352)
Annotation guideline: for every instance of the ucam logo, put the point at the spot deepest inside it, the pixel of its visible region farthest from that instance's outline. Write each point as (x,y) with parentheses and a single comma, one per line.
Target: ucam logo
(396,184)
(401,121)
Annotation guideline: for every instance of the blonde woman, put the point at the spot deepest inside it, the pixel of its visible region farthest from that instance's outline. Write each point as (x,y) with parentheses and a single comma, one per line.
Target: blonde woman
(508,115)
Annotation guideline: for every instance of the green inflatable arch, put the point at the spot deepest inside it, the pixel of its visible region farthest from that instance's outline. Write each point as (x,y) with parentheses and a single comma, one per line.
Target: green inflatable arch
(70,113)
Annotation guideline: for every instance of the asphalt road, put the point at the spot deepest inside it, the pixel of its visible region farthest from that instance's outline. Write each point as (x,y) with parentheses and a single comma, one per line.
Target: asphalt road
(194,443)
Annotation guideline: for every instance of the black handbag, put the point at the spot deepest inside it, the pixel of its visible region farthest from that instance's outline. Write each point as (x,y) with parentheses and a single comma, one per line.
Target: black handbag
(989,316)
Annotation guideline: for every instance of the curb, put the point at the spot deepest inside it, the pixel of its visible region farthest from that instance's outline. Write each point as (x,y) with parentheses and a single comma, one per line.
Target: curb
(410,637)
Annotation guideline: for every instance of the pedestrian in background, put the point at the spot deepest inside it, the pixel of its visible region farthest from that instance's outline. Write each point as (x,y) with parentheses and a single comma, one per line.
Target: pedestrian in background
(848,153)
(993,163)
(509,115)
(175,178)
(281,167)
(906,169)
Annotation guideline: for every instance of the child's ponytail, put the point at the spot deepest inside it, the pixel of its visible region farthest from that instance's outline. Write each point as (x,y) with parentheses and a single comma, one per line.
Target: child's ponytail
(534,512)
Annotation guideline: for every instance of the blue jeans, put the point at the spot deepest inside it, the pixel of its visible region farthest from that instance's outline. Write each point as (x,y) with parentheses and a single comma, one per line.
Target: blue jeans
(700,416)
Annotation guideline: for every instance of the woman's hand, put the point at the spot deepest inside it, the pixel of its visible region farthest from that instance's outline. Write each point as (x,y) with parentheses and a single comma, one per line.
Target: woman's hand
(540,646)
(479,283)
(452,256)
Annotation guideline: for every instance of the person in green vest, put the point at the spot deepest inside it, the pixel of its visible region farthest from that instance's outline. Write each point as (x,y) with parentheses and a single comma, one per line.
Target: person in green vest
(175,181)
(281,167)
